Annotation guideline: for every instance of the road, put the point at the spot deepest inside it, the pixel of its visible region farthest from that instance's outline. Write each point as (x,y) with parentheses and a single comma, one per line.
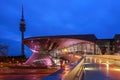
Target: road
(24,74)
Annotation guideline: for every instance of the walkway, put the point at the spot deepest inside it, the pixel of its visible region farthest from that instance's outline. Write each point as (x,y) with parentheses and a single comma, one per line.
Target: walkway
(60,74)
(97,69)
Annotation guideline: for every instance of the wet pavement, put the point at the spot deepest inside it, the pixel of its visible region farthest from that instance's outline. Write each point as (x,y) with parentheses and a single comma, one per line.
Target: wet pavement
(20,77)
(98,69)
(25,74)
(62,73)
(94,69)
(37,74)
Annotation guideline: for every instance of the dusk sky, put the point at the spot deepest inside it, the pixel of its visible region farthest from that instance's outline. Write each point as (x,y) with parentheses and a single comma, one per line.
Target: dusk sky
(57,17)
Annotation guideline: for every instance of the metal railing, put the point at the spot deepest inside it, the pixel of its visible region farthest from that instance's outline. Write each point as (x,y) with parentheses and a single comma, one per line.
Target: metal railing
(113,59)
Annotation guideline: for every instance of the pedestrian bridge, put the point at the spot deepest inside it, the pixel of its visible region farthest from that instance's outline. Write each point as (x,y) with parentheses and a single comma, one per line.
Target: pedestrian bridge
(90,67)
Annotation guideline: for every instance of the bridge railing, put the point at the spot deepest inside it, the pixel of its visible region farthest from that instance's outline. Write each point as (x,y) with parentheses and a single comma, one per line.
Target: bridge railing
(77,71)
(113,59)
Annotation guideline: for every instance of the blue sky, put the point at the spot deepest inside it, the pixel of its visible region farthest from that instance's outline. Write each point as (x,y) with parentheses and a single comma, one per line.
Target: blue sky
(58,17)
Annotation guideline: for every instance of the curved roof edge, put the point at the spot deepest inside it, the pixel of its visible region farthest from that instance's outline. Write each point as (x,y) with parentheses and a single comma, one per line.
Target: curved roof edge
(90,37)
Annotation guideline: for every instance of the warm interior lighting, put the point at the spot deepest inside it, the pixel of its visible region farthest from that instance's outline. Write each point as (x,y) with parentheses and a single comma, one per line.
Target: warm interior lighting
(65,50)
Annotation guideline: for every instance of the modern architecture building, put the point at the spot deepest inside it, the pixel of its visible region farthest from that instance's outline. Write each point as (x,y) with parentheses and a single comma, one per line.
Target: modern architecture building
(62,45)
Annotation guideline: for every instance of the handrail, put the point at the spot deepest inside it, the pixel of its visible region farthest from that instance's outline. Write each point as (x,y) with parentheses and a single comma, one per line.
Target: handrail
(77,71)
(114,57)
